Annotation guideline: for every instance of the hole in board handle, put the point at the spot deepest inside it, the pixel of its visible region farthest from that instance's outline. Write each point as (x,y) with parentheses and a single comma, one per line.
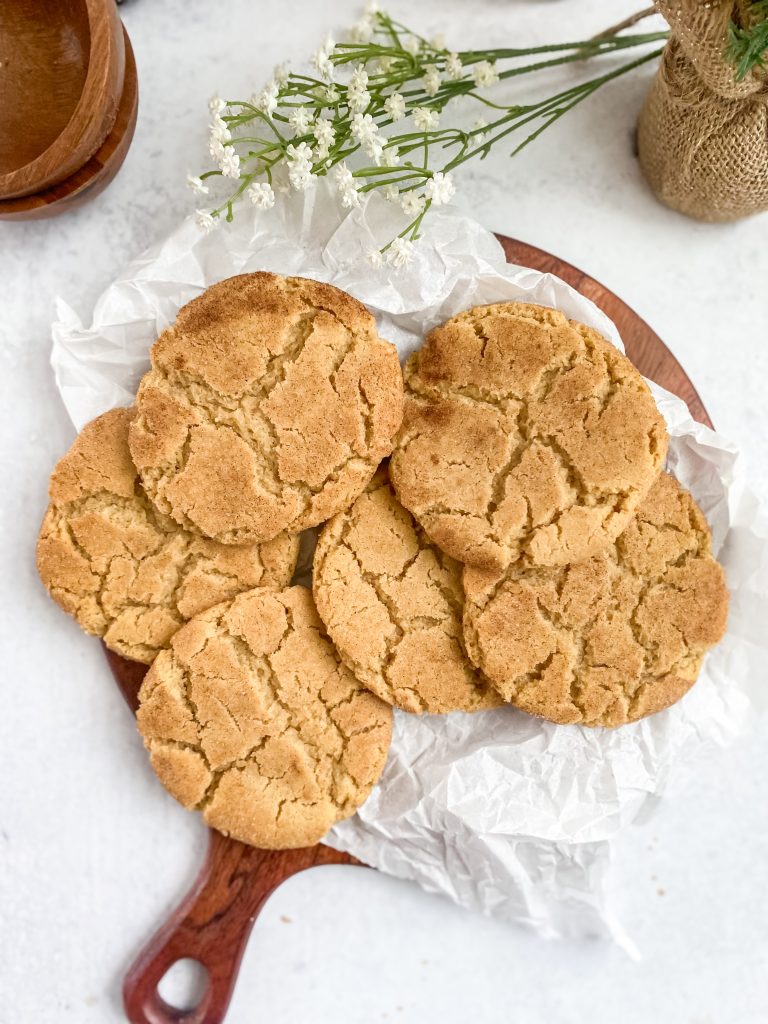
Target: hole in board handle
(183,985)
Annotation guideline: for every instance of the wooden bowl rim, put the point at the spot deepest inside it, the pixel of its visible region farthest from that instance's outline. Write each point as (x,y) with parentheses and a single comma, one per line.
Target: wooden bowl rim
(97,172)
(92,91)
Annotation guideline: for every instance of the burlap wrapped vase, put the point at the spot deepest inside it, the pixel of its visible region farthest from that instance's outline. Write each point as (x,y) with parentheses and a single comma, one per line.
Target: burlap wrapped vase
(702,135)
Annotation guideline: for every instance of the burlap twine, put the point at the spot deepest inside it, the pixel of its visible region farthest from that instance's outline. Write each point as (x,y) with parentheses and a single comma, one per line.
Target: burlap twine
(703,136)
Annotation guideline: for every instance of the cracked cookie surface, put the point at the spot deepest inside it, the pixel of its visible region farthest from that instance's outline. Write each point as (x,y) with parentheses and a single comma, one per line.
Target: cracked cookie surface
(270,402)
(392,603)
(611,639)
(525,435)
(251,719)
(125,571)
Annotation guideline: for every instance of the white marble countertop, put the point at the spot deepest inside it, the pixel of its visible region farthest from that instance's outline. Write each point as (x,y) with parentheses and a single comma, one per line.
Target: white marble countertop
(93,853)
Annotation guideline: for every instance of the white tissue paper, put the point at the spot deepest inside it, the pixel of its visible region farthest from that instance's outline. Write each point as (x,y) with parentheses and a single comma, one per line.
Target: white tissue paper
(504,813)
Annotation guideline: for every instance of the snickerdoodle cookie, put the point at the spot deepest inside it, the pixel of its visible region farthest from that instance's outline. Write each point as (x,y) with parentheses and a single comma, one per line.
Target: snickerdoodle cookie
(126,572)
(392,603)
(251,718)
(611,639)
(525,435)
(270,402)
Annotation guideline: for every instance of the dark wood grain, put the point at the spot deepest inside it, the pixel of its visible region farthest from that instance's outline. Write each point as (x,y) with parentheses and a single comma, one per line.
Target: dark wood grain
(93,176)
(63,64)
(213,921)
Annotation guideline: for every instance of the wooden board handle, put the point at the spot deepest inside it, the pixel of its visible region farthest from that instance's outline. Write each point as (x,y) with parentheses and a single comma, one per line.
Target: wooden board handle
(211,925)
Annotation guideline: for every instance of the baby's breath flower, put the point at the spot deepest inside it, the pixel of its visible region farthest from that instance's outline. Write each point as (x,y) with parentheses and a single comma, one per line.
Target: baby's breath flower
(331,95)
(384,66)
(205,220)
(216,149)
(399,253)
(479,126)
(301,177)
(219,130)
(375,258)
(438,41)
(431,80)
(299,154)
(350,198)
(299,160)
(364,129)
(425,119)
(281,73)
(343,176)
(453,66)
(321,61)
(390,157)
(485,74)
(324,132)
(261,195)
(440,188)
(358,96)
(390,193)
(267,98)
(196,184)
(230,163)
(216,104)
(412,204)
(299,120)
(362,31)
(394,105)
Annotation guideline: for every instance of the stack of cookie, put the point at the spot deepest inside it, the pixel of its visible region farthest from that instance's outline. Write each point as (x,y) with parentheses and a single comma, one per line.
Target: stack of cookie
(522,546)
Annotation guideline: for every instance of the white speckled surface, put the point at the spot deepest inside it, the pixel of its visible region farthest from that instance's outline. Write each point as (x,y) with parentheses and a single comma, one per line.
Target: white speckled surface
(92,851)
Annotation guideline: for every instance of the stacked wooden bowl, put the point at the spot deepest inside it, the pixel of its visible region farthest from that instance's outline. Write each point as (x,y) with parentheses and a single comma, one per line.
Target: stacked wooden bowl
(68,97)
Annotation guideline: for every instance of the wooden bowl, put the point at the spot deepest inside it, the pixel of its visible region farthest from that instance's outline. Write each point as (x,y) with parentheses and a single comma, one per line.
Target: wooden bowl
(94,176)
(62,65)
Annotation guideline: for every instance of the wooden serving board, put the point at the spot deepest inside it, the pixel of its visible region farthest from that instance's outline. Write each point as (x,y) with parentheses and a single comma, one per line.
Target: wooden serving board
(213,921)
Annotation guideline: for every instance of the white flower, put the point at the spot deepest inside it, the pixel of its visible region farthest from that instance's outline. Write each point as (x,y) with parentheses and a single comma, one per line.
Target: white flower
(425,119)
(325,137)
(267,98)
(485,74)
(411,45)
(196,184)
(281,73)
(359,79)
(384,65)
(299,120)
(349,198)
(374,148)
(390,193)
(362,31)
(301,178)
(440,188)
(216,149)
(431,80)
(394,105)
(375,258)
(412,204)
(321,61)
(324,132)
(230,163)
(390,157)
(218,129)
(358,96)
(299,154)
(261,195)
(331,95)
(364,129)
(438,41)
(358,100)
(205,220)
(299,160)
(216,104)
(344,177)
(453,66)
(479,126)
(399,253)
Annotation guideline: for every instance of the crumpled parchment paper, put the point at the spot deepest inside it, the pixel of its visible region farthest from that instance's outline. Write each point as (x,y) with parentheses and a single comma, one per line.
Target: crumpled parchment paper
(504,813)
